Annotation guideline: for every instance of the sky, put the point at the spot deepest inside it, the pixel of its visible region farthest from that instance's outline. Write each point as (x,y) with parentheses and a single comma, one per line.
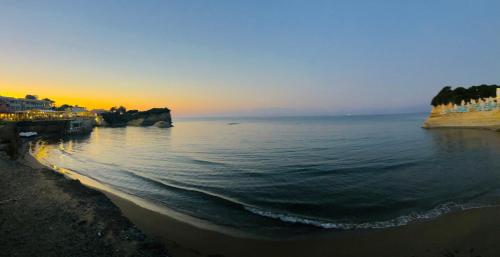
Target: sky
(216,57)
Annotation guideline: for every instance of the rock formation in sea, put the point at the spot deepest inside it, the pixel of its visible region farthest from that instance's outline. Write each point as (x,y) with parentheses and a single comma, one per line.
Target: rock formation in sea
(137,118)
(473,107)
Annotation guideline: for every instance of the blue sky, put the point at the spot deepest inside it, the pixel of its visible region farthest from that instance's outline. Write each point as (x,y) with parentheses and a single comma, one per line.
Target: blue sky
(248,57)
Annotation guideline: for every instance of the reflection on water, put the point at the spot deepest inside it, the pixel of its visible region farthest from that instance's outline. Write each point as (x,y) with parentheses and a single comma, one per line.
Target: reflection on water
(283,176)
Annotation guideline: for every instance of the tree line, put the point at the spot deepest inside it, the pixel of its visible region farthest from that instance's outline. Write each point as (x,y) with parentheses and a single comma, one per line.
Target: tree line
(456,96)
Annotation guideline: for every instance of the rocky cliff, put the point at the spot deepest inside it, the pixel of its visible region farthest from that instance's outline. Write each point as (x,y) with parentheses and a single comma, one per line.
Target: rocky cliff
(474,107)
(136,118)
(481,119)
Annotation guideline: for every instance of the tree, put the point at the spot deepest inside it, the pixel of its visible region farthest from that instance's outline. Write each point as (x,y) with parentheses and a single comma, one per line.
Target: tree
(63,107)
(116,117)
(31,97)
(121,110)
(459,94)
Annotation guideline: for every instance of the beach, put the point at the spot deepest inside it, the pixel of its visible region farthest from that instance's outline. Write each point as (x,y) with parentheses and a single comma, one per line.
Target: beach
(467,233)
(42,213)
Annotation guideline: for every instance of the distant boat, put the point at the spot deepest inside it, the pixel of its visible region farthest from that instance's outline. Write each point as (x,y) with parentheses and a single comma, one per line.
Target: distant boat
(233,123)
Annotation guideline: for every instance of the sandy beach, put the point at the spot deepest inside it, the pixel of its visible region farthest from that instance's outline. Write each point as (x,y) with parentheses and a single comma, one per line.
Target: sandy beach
(467,233)
(42,213)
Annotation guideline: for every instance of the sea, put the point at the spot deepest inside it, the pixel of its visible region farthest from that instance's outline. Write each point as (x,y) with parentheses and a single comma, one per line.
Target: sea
(287,176)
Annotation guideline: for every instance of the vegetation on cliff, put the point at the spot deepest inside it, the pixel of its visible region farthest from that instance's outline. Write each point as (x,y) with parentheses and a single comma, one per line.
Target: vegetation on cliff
(455,96)
(119,116)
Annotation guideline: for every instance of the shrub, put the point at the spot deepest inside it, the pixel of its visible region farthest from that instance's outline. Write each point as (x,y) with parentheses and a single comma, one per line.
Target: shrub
(455,96)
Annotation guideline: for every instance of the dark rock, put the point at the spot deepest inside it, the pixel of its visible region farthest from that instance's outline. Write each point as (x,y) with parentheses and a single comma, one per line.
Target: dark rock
(136,118)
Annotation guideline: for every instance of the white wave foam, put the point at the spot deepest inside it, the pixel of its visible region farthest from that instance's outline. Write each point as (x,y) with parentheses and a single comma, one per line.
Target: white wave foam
(396,222)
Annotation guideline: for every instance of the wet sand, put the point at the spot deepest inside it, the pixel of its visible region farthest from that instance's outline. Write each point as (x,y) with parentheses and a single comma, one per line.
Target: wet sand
(468,233)
(68,219)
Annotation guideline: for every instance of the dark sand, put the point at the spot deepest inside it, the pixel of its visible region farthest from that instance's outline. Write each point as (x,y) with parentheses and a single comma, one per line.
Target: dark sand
(469,233)
(44,214)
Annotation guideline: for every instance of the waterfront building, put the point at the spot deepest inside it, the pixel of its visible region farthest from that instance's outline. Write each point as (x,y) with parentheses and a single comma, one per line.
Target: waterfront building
(98,111)
(11,104)
(76,109)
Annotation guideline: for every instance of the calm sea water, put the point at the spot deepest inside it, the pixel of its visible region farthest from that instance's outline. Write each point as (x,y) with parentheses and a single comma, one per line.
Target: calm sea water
(283,176)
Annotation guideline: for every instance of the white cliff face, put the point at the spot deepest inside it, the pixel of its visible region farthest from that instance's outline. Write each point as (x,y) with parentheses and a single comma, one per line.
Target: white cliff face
(474,105)
(471,119)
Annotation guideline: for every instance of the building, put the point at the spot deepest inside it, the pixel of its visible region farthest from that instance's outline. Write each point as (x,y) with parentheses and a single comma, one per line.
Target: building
(76,109)
(98,111)
(4,107)
(11,104)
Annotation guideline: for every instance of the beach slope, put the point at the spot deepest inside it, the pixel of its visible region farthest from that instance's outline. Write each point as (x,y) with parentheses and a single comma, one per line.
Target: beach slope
(44,214)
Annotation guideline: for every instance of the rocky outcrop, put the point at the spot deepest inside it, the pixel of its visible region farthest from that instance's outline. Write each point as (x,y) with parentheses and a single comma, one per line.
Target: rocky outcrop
(151,117)
(9,140)
(474,107)
(136,118)
(162,124)
(480,119)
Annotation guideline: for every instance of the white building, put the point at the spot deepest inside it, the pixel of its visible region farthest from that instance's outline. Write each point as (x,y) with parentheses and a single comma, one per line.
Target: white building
(22,104)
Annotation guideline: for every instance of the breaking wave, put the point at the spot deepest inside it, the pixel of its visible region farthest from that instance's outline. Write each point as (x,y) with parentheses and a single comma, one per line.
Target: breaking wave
(395,222)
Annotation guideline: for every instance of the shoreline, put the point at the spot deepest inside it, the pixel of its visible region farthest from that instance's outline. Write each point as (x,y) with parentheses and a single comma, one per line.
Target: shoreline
(42,213)
(452,233)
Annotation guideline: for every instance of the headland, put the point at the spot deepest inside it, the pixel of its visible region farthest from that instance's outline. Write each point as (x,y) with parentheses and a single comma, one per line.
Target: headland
(474,107)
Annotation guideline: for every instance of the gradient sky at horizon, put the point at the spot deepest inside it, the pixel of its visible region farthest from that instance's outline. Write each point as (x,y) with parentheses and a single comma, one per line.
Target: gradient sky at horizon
(247,57)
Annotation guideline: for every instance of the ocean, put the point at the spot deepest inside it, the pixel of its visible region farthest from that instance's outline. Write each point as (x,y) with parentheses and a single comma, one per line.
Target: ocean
(288,176)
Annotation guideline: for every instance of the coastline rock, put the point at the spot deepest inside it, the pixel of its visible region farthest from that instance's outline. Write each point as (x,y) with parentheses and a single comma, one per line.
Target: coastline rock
(482,120)
(473,107)
(136,122)
(136,118)
(9,140)
(162,124)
